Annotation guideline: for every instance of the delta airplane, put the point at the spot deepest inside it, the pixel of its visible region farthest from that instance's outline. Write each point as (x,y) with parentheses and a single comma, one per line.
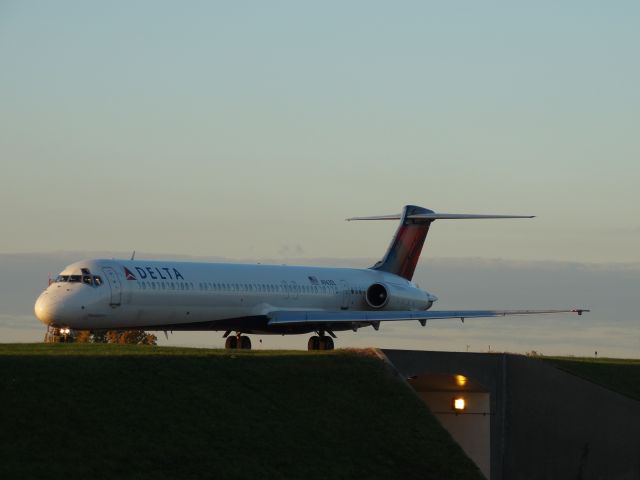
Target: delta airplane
(240,299)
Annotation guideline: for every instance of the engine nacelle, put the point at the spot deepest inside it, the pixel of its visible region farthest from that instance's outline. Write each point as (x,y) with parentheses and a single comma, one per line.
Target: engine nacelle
(377,295)
(396,297)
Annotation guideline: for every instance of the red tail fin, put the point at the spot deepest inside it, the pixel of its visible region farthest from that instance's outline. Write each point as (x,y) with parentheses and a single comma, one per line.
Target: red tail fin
(403,253)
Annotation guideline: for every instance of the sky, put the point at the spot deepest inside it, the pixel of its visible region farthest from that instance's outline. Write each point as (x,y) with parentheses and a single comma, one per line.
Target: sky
(251,130)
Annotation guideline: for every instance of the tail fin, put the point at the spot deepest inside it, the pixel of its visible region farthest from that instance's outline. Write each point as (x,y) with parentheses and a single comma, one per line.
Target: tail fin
(403,253)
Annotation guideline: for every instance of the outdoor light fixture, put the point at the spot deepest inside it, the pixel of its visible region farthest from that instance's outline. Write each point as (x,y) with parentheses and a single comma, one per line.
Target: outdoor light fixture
(461,380)
(459,404)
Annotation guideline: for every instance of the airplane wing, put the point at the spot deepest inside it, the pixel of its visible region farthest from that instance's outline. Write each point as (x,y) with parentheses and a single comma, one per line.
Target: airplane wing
(327,318)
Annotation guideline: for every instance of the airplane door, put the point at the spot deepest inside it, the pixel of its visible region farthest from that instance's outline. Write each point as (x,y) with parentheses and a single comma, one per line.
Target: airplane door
(114,284)
(345,295)
(294,290)
(285,289)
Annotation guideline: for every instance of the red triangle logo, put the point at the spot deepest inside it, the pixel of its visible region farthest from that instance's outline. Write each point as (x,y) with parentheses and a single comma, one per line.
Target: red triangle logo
(128,274)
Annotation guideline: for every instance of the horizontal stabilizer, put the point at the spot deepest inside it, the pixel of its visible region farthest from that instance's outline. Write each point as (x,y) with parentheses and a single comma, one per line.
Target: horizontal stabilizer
(403,253)
(437,216)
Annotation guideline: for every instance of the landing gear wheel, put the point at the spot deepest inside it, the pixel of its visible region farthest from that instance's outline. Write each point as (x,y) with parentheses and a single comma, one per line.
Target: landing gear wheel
(326,343)
(245,343)
(231,342)
(314,343)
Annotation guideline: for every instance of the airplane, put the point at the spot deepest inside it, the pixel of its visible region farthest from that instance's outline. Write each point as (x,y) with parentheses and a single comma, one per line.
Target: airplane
(241,299)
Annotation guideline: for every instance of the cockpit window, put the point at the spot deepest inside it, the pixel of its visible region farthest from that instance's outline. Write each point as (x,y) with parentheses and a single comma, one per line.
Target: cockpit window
(91,280)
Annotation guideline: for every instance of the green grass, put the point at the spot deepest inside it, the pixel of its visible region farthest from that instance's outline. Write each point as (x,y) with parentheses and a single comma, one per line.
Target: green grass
(620,375)
(118,411)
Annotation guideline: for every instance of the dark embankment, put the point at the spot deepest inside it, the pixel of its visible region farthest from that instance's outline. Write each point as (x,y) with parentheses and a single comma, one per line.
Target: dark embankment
(617,374)
(109,411)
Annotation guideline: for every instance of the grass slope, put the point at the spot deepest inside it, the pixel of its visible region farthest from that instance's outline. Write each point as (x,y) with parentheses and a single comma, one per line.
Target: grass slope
(620,375)
(112,411)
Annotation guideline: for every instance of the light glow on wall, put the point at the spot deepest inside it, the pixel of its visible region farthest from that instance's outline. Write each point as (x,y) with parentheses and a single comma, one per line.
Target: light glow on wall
(461,380)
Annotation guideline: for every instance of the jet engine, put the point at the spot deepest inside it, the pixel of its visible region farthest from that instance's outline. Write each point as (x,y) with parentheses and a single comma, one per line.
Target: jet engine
(397,297)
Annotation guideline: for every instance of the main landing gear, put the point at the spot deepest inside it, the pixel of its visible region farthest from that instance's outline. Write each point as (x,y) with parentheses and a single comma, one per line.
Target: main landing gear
(238,341)
(320,342)
(317,342)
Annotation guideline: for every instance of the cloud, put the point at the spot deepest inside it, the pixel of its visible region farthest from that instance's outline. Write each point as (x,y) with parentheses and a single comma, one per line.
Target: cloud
(296,249)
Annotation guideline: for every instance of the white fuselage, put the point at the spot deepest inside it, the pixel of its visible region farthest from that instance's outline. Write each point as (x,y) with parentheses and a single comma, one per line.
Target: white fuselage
(159,295)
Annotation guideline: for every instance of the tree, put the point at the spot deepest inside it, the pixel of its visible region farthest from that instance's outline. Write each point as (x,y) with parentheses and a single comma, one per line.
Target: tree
(83,336)
(135,337)
(99,336)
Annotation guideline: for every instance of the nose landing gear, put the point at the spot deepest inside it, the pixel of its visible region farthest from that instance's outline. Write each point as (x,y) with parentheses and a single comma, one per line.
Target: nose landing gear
(59,335)
(238,341)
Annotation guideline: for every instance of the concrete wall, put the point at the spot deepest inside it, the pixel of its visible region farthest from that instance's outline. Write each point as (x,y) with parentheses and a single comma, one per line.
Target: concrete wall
(560,426)
(545,423)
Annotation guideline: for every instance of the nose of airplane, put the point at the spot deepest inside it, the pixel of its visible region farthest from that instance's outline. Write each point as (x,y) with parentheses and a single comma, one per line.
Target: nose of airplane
(48,309)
